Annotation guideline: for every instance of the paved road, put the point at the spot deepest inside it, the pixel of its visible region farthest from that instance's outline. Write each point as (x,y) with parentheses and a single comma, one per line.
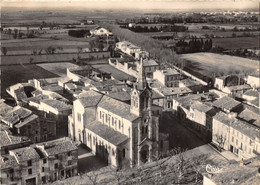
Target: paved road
(180,136)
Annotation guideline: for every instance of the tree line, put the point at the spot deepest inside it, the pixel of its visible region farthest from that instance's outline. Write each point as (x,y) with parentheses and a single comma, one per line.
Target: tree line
(193,46)
(163,28)
(78,33)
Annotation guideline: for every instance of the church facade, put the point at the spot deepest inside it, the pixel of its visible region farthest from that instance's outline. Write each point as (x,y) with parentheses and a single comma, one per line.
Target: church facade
(123,134)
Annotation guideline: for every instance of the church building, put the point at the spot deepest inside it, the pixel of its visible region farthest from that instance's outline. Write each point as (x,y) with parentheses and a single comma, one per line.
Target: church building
(122,134)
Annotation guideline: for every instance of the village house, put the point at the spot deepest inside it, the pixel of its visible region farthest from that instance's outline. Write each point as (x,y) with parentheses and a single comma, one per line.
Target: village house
(23,122)
(141,54)
(237,90)
(168,77)
(149,66)
(252,97)
(20,91)
(239,137)
(233,173)
(122,134)
(253,80)
(9,141)
(128,48)
(227,104)
(98,31)
(169,92)
(40,163)
(193,85)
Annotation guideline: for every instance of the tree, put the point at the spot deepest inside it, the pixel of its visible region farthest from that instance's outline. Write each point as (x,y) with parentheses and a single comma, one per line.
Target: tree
(220,140)
(178,167)
(198,165)
(15,33)
(92,176)
(50,50)
(117,174)
(4,50)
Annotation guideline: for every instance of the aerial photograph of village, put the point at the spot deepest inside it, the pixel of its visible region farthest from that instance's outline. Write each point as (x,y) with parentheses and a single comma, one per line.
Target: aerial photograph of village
(130,92)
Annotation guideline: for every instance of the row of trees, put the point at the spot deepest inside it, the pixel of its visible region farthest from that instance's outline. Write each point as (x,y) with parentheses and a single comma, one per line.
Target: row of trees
(194,45)
(18,34)
(78,33)
(164,28)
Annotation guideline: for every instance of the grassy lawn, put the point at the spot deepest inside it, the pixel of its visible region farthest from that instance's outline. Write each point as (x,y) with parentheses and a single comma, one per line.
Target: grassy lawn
(59,69)
(11,75)
(236,43)
(205,64)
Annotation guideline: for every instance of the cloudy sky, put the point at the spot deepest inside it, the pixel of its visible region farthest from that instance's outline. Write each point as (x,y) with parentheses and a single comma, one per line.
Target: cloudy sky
(133,4)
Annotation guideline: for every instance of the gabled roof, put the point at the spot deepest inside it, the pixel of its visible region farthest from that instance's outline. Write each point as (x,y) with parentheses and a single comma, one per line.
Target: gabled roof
(117,107)
(58,105)
(57,146)
(89,98)
(251,92)
(149,62)
(121,95)
(4,108)
(106,133)
(7,162)
(35,99)
(16,114)
(26,120)
(226,102)
(25,154)
(7,139)
(202,107)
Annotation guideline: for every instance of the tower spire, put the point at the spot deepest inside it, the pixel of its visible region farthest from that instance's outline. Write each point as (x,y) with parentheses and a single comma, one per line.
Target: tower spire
(141,80)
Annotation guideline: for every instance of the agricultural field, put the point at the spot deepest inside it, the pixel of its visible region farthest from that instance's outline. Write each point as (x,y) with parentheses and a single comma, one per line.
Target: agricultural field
(65,57)
(236,43)
(37,44)
(59,69)
(206,64)
(11,75)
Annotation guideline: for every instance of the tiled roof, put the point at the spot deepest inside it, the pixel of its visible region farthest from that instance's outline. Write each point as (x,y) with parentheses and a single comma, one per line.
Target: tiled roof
(106,133)
(250,117)
(185,101)
(36,92)
(167,91)
(4,108)
(189,82)
(57,96)
(25,154)
(117,107)
(170,72)
(59,105)
(149,62)
(7,139)
(242,126)
(58,146)
(36,98)
(253,93)
(20,94)
(52,87)
(238,87)
(16,114)
(156,95)
(89,98)
(26,120)
(226,102)
(121,95)
(202,107)
(7,162)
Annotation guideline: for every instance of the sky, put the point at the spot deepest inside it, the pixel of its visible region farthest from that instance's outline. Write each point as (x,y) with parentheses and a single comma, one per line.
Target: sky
(132,4)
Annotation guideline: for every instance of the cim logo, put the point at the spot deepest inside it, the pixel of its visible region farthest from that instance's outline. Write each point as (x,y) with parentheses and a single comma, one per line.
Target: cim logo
(213,169)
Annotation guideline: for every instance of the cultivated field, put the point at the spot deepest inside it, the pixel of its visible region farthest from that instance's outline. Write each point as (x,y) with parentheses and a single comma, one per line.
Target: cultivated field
(206,64)
(65,57)
(37,44)
(236,43)
(59,69)
(11,75)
